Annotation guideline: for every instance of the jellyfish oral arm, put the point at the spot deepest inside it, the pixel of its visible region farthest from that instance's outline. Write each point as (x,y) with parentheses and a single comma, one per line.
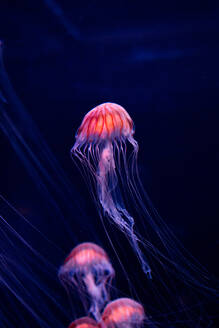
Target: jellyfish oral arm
(97,300)
(105,168)
(106,184)
(91,286)
(94,293)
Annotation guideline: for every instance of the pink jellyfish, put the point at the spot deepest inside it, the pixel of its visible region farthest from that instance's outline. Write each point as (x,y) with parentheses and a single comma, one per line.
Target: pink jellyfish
(123,313)
(88,268)
(84,322)
(101,144)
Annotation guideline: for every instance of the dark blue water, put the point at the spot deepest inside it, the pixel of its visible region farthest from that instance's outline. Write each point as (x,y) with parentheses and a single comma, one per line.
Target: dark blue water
(160,61)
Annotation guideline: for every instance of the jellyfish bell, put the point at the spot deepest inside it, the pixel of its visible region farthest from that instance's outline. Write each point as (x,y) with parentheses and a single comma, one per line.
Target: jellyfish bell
(105,122)
(123,313)
(84,322)
(88,268)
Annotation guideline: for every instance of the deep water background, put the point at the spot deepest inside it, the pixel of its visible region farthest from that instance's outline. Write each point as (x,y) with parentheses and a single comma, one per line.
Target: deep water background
(157,59)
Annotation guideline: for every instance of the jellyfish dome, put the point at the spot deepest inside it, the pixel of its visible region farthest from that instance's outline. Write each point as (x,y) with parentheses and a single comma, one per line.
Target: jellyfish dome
(123,313)
(84,322)
(106,121)
(88,268)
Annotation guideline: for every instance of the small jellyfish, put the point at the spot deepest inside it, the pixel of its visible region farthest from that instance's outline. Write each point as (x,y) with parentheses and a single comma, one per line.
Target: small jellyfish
(84,322)
(101,145)
(88,268)
(123,313)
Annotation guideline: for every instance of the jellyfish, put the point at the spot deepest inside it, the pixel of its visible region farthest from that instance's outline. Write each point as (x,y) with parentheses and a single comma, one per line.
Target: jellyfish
(101,138)
(123,313)
(88,268)
(85,322)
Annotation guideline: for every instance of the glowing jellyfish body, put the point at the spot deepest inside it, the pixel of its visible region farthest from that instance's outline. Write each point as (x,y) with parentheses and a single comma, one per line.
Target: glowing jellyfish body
(84,322)
(88,268)
(101,140)
(105,122)
(123,313)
